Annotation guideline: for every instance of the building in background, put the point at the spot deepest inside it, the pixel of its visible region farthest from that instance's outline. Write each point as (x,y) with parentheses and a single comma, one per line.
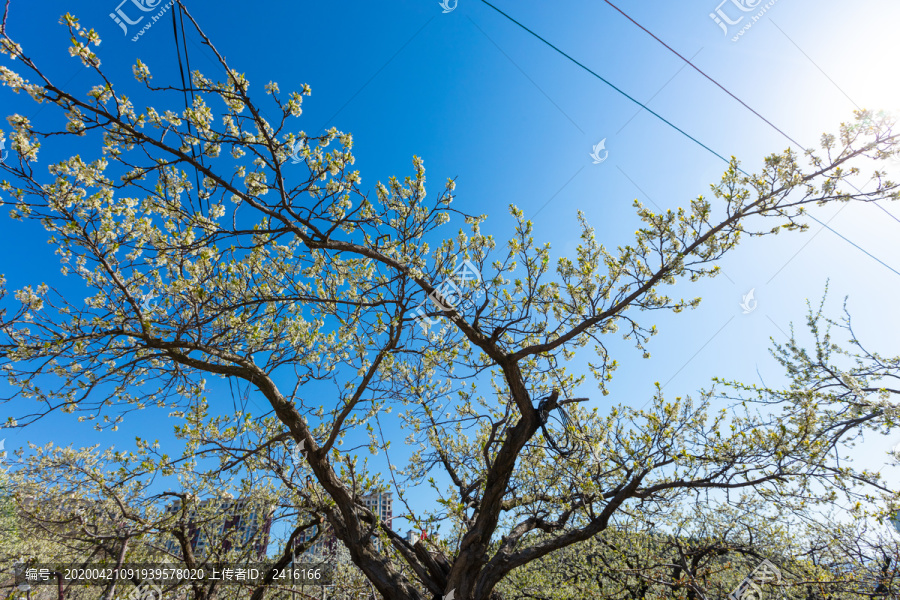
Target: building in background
(382,504)
(231,522)
(324,547)
(414,536)
(328,546)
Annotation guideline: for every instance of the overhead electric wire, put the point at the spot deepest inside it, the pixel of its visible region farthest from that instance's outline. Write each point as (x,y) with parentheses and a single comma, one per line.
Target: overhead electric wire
(889,213)
(187,60)
(721,87)
(638,102)
(670,124)
(851,243)
(696,68)
(185,90)
(769,123)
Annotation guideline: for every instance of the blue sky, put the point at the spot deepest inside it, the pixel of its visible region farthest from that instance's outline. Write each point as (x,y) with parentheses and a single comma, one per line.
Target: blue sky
(513,121)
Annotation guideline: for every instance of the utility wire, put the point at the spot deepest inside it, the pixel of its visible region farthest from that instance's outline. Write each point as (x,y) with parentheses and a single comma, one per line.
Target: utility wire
(851,243)
(716,83)
(890,214)
(185,90)
(661,118)
(769,123)
(187,60)
(721,87)
(638,102)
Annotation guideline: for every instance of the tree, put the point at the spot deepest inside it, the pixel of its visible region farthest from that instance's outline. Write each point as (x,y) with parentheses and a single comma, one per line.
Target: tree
(89,509)
(285,283)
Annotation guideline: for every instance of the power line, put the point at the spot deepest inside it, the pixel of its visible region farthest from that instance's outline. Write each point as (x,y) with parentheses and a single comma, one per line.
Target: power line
(851,243)
(769,123)
(696,68)
(185,89)
(187,60)
(695,140)
(744,104)
(890,214)
(638,102)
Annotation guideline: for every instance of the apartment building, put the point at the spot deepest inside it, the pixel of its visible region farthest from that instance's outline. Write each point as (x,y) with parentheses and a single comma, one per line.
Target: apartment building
(225,523)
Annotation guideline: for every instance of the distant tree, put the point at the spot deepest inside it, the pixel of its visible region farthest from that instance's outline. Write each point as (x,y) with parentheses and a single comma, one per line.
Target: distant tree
(89,509)
(696,556)
(289,278)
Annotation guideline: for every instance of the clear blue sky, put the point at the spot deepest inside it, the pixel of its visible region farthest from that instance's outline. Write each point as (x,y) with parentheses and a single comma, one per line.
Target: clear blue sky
(485,102)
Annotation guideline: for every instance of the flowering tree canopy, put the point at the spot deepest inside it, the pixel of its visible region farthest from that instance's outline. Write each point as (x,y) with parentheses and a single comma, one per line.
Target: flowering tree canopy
(203,254)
